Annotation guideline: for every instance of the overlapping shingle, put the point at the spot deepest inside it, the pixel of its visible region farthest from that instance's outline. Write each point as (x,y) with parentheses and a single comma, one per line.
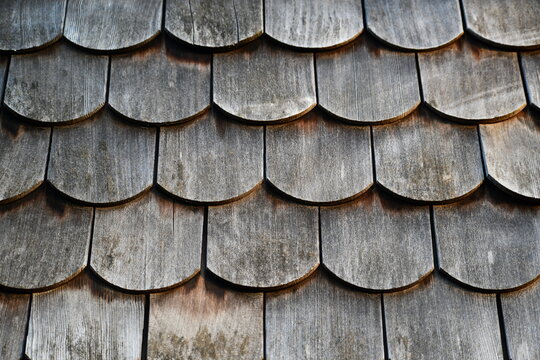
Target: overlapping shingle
(530,63)
(264,83)
(313,24)
(317,160)
(148,244)
(59,84)
(44,241)
(414,24)
(105,25)
(30,24)
(458,82)
(367,83)
(214,24)
(377,242)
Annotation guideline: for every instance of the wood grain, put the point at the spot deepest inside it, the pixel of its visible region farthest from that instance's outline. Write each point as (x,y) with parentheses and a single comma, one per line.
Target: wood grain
(469,83)
(210,160)
(488,241)
(262,241)
(214,24)
(530,63)
(521,311)
(85,320)
(103,160)
(414,24)
(21,144)
(377,242)
(512,154)
(317,160)
(30,24)
(162,84)
(508,24)
(320,319)
(313,24)
(427,159)
(57,85)
(439,320)
(44,241)
(203,320)
(148,244)
(264,83)
(106,25)
(366,83)
(14,314)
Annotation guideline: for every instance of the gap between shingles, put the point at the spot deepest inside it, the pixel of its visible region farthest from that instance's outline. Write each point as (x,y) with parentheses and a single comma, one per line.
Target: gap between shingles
(144,344)
(502,329)
(384,331)
(27,328)
(236,21)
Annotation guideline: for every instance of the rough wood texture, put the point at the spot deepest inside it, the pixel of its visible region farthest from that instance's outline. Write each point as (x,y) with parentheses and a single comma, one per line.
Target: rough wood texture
(313,24)
(510,24)
(210,160)
(377,242)
(318,160)
(112,25)
(57,85)
(439,320)
(521,311)
(530,63)
(44,241)
(214,24)
(148,244)
(202,320)
(14,315)
(264,83)
(489,242)
(425,158)
(262,241)
(103,160)
(321,319)
(366,83)
(414,24)
(21,144)
(162,84)
(512,154)
(467,82)
(85,320)
(30,24)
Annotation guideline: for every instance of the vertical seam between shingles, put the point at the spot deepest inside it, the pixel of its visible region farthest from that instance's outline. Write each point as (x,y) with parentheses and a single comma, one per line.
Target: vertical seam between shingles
(264,325)
(523,79)
(384,330)
(502,329)
(4,80)
(146,324)
(433,238)
(163,7)
(320,236)
(316,79)
(265,163)
(372,147)
(27,328)
(482,152)
(192,23)
(462,12)
(419,78)
(156,155)
(204,242)
(65,16)
(91,239)
(236,20)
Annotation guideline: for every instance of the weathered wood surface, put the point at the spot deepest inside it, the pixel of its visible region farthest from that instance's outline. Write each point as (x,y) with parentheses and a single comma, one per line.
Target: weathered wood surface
(147,244)
(202,320)
(14,315)
(377,242)
(489,242)
(30,24)
(467,82)
(530,63)
(512,154)
(102,160)
(509,24)
(161,84)
(366,83)
(21,144)
(215,24)
(320,319)
(265,83)
(313,24)
(439,320)
(59,84)
(425,158)
(85,320)
(112,25)
(262,241)
(44,241)
(210,160)
(521,311)
(318,160)
(414,24)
